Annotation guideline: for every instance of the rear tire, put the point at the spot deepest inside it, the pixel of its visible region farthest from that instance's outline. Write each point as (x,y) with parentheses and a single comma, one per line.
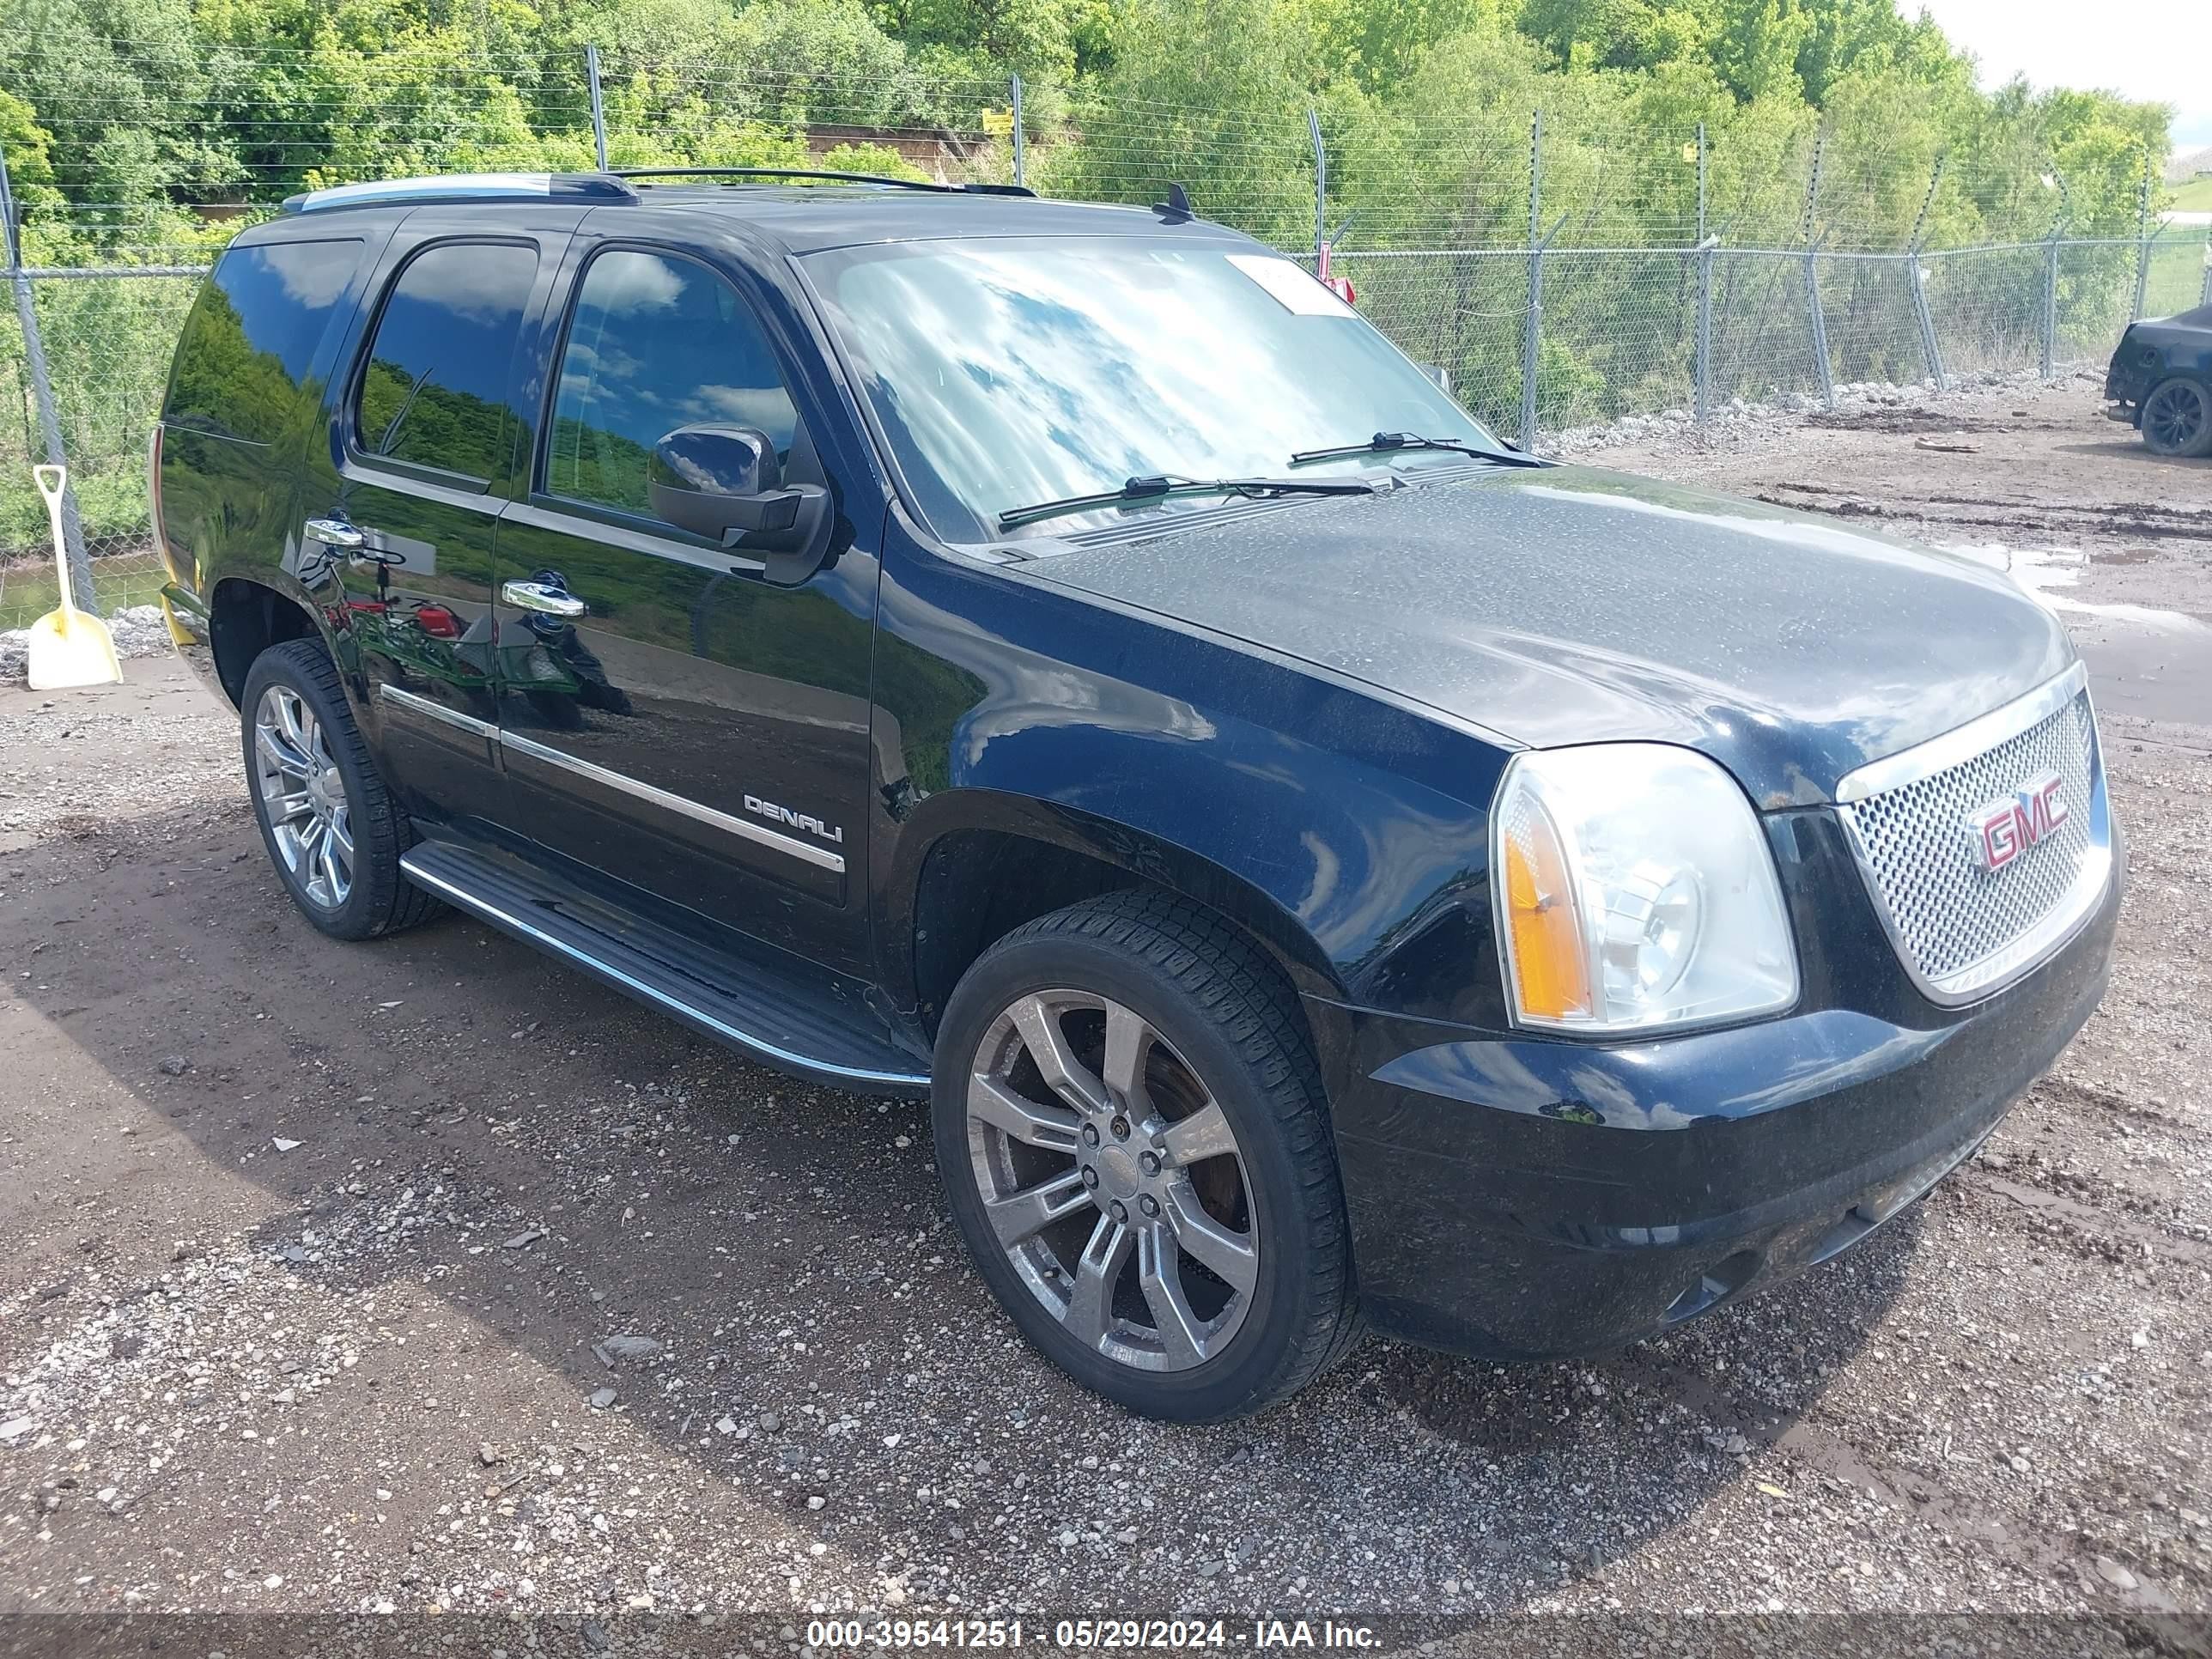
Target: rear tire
(2177,418)
(328,823)
(1190,1257)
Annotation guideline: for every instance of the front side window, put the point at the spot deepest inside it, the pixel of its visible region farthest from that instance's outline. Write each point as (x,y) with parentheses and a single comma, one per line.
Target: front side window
(435,390)
(1004,373)
(658,343)
(253,334)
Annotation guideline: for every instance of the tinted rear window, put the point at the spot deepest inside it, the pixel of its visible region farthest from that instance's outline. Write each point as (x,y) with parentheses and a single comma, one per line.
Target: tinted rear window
(253,335)
(434,391)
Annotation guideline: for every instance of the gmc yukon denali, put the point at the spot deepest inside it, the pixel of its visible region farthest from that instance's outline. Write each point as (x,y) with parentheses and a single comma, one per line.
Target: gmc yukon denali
(1324,868)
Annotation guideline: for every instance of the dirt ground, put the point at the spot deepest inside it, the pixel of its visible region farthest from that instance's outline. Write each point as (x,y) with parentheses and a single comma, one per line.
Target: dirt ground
(308,1245)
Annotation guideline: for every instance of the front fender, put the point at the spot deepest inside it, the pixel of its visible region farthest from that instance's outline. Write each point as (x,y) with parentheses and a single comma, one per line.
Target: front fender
(1349,832)
(1141,852)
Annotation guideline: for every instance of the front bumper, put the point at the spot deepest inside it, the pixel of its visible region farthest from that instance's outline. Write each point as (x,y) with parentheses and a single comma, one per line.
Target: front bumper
(1515,1198)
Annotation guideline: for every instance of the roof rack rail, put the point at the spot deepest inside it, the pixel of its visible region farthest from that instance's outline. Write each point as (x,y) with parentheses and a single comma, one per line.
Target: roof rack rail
(572,187)
(813,172)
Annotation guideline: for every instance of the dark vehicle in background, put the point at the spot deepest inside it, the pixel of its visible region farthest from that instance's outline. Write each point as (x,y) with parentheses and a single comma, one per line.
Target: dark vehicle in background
(2161,382)
(1323,867)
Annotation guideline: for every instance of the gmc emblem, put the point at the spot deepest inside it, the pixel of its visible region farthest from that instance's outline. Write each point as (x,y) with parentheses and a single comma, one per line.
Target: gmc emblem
(2010,824)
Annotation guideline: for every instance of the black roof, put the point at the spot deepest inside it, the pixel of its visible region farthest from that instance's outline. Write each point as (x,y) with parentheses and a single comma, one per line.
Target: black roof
(799,218)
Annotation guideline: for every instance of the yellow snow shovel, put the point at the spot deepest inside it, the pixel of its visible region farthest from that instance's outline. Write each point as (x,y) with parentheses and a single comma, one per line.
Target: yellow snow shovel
(69,647)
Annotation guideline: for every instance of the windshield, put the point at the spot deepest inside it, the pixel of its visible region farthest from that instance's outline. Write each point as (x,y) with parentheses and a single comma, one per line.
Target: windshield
(1009,371)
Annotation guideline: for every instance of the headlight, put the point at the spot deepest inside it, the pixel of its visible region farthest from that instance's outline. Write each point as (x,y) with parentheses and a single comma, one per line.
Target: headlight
(1635,890)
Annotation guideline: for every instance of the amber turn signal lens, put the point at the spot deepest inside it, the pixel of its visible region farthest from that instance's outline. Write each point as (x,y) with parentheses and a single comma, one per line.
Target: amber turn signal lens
(1549,966)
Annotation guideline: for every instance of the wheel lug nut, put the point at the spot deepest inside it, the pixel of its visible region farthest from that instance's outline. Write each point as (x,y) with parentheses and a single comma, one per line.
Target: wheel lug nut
(1117,1212)
(1121,1127)
(1090,1134)
(1091,1177)
(1149,1163)
(1149,1205)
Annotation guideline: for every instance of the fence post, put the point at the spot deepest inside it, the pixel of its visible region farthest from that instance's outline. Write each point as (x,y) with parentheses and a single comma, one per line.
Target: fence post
(42,393)
(1320,192)
(1021,139)
(1532,326)
(1813,279)
(1929,350)
(1706,248)
(2050,305)
(1701,364)
(2143,240)
(2060,219)
(2148,247)
(1701,180)
(598,110)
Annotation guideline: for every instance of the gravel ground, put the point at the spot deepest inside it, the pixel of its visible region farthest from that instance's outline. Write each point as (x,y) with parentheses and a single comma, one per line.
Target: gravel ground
(2029,477)
(425,1276)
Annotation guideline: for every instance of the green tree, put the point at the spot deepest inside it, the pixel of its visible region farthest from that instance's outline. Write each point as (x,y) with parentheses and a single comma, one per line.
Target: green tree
(1755,44)
(1035,37)
(28,147)
(116,85)
(1616,33)
(1378,47)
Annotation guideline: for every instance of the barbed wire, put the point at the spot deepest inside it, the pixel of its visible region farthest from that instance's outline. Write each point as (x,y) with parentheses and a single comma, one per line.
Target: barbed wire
(1435,223)
(427,104)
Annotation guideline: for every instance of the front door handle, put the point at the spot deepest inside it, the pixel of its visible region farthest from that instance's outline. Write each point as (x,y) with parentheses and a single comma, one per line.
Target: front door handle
(542,597)
(332,532)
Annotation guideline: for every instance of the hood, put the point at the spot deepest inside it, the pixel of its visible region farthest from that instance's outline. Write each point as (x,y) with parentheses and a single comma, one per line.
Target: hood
(1566,605)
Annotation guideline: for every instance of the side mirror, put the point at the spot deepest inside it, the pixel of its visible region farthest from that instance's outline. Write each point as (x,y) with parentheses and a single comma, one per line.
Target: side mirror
(725,484)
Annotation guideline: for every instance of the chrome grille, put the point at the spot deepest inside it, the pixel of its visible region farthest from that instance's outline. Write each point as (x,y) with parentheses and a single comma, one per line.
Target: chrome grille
(1962,929)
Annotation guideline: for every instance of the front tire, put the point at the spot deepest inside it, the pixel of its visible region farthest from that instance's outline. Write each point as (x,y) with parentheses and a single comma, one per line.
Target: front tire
(2177,418)
(1134,1137)
(330,827)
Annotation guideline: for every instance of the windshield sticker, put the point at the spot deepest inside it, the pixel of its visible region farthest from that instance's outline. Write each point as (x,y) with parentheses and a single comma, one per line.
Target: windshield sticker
(1292,287)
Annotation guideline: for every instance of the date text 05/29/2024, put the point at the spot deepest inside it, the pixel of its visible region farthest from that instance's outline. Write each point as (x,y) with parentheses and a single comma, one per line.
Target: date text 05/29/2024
(1095,1634)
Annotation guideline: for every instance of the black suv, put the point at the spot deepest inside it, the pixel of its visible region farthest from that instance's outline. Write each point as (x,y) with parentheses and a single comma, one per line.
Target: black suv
(1324,866)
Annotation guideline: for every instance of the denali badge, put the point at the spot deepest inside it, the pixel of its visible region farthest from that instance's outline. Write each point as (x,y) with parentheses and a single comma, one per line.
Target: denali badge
(769,809)
(2010,824)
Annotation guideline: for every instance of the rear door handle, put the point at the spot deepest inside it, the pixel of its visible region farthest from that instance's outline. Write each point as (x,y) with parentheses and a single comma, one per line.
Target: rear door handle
(332,532)
(538,596)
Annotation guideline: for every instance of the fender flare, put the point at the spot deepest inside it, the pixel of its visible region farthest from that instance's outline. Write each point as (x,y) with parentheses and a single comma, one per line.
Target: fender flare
(282,587)
(1137,852)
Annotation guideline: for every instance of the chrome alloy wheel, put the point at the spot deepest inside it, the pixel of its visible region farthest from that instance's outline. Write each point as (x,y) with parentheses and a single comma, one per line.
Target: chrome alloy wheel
(304,796)
(1112,1180)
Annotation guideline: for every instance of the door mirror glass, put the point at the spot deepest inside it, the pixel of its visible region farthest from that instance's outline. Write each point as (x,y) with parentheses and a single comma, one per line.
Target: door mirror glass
(696,471)
(725,484)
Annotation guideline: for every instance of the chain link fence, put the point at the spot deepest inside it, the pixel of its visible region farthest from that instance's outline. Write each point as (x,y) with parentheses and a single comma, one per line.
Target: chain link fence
(1556,283)
(1617,331)
(107,335)
(1987,304)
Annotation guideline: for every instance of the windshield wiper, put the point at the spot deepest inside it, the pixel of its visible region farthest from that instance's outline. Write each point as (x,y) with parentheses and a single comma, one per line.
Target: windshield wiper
(1161,487)
(1382,442)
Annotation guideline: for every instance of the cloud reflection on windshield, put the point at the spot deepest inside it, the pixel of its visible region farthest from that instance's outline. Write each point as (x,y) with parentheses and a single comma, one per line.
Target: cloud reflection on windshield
(1015,371)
